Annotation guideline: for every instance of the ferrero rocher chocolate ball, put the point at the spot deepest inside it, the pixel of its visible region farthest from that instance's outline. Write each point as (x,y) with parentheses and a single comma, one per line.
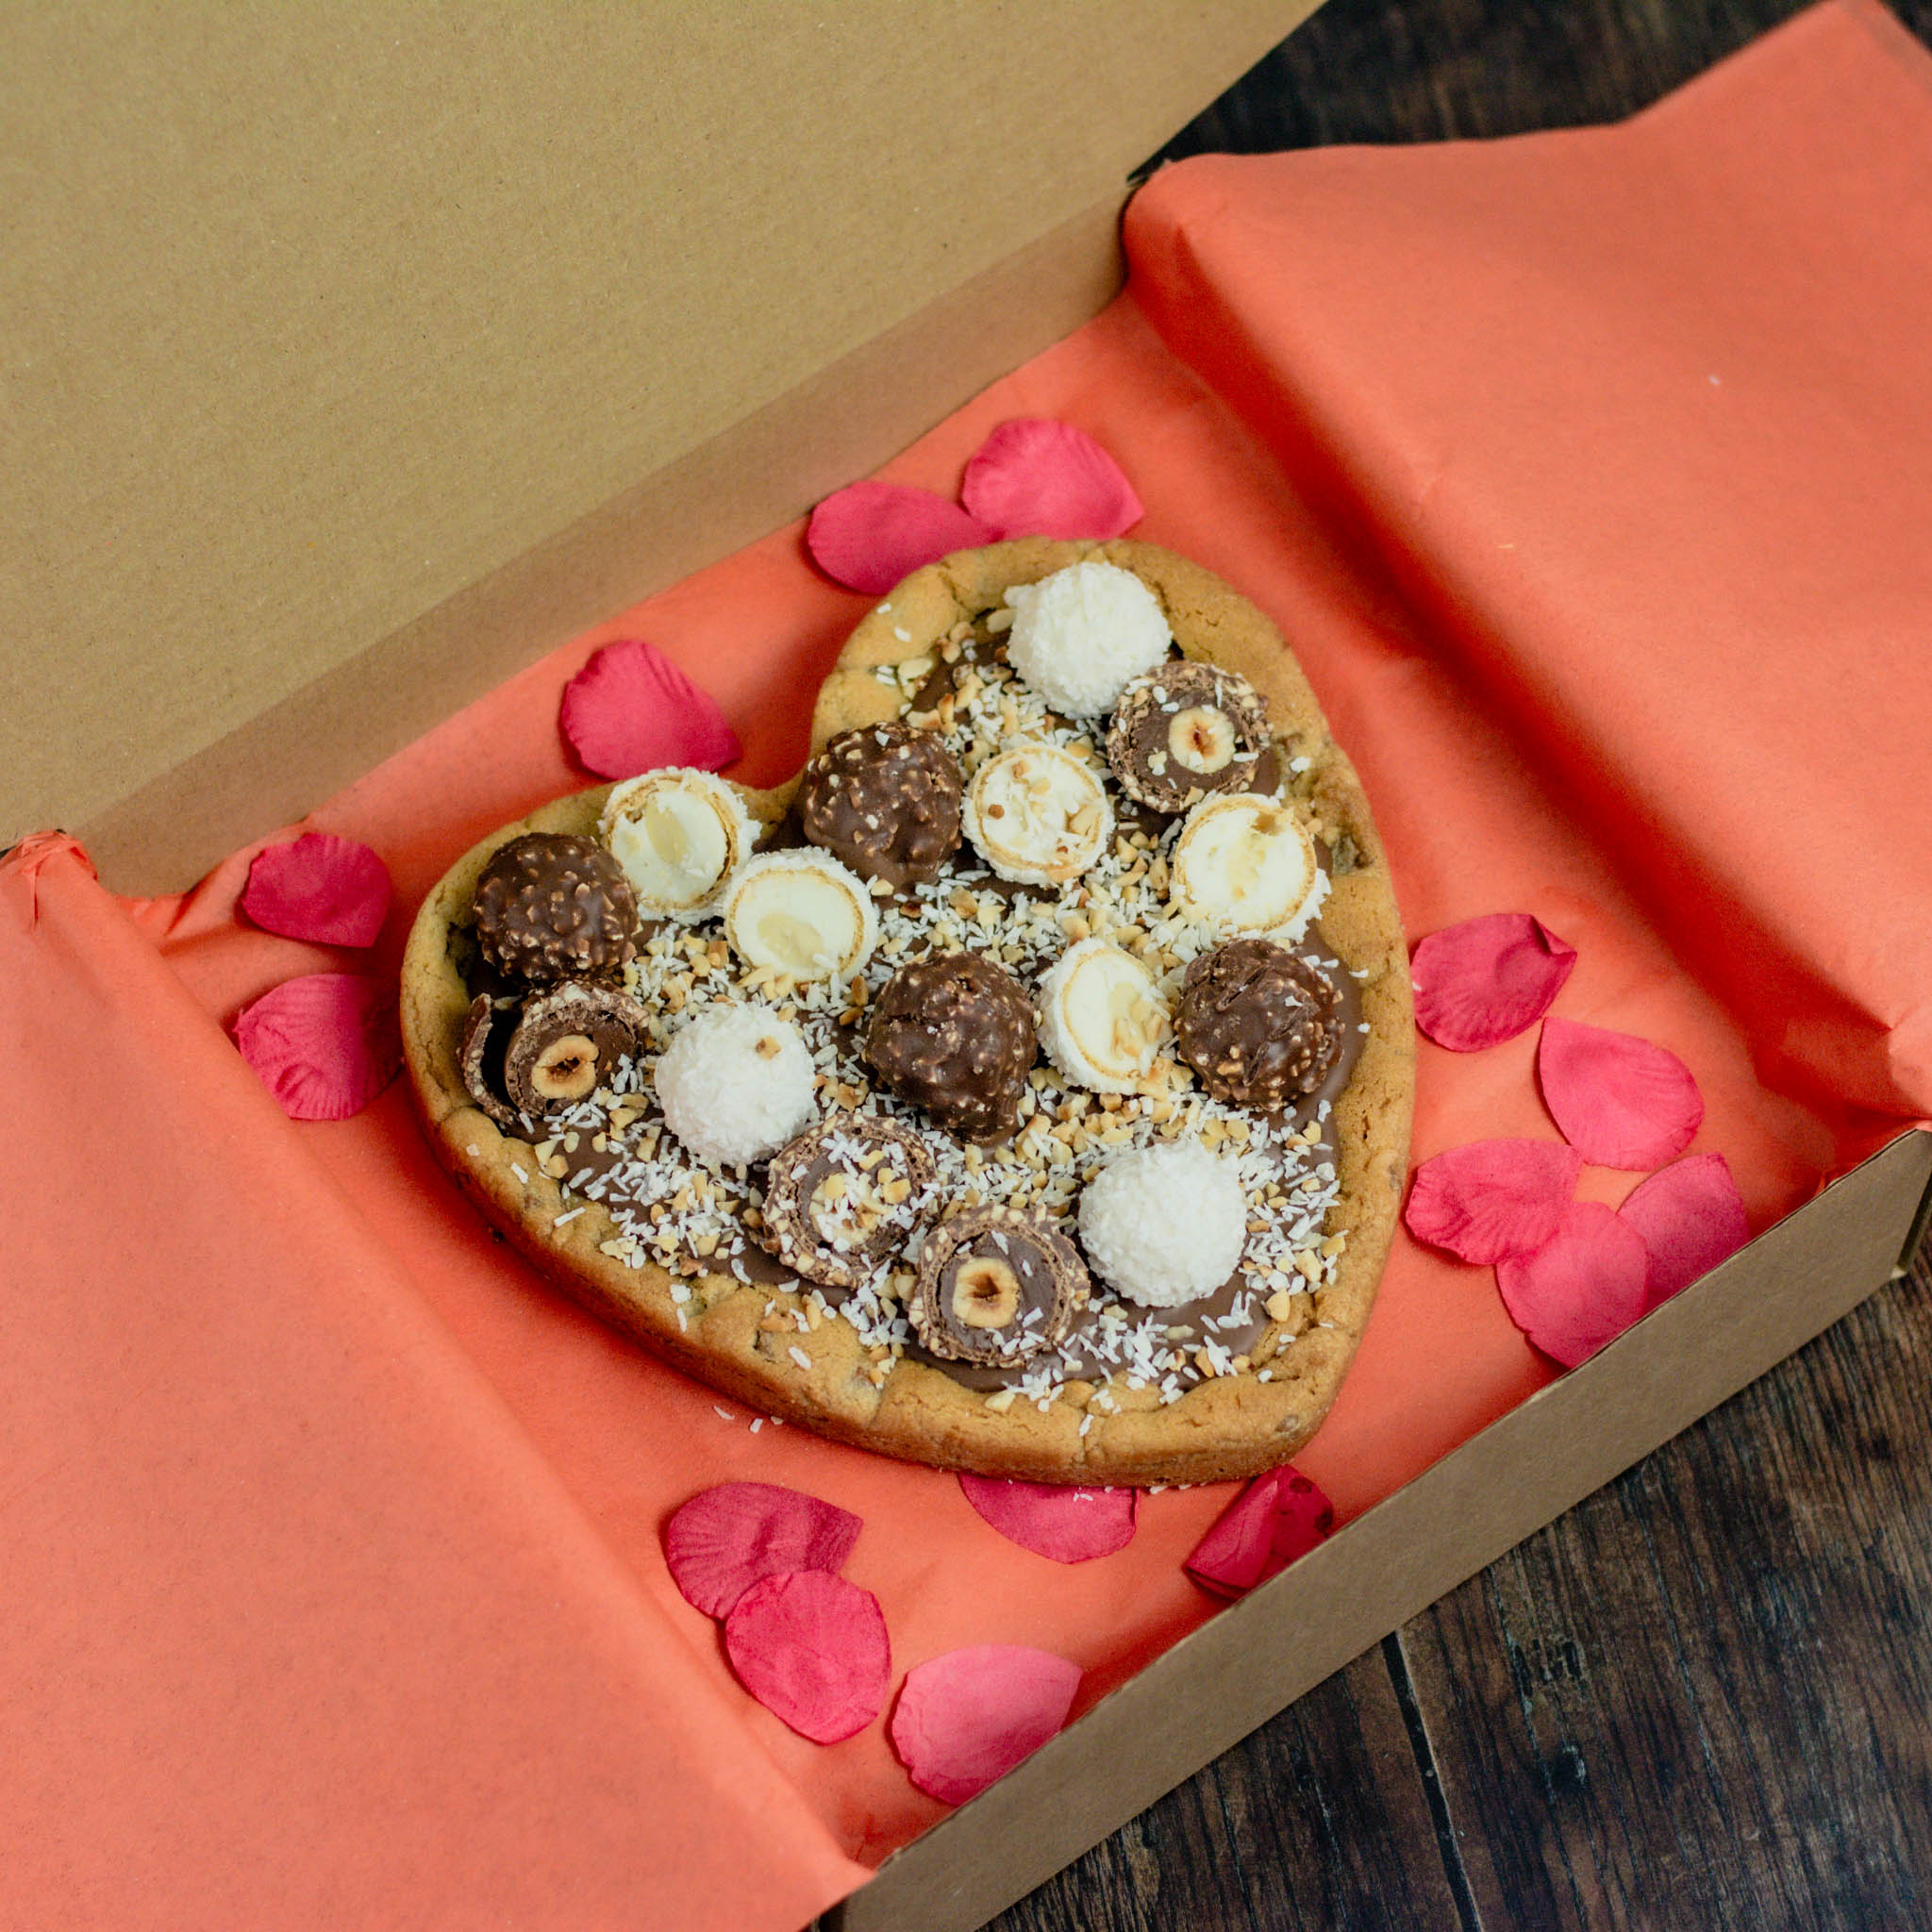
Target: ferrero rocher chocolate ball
(952,1033)
(553,907)
(1257,1024)
(996,1287)
(885,799)
(1185,730)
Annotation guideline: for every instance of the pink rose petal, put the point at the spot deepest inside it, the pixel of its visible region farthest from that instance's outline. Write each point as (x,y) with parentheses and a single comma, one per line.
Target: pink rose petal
(727,1538)
(1071,1526)
(631,709)
(1488,979)
(334,892)
(1036,478)
(1493,1198)
(1279,1517)
(966,1719)
(812,1649)
(869,535)
(1620,1101)
(325,1045)
(1690,1217)
(1581,1290)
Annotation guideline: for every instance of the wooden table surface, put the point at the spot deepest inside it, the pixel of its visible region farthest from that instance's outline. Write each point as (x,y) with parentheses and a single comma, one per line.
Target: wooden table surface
(1704,1697)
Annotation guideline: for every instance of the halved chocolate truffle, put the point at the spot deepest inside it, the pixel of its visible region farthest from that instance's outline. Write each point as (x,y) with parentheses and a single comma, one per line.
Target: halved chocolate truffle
(885,799)
(1185,730)
(996,1287)
(1257,1024)
(952,1033)
(486,1040)
(553,907)
(846,1191)
(562,1044)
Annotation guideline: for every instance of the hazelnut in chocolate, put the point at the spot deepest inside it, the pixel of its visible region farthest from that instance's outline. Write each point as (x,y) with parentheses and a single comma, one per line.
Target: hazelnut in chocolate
(1257,1024)
(1185,729)
(952,1033)
(553,907)
(996,1287)
(555,1047)
(885,799)
(846,1193)
(567,1043)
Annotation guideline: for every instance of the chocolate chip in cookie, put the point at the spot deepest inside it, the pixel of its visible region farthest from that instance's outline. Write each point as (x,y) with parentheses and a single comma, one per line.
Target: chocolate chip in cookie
(1185,730)
(954,1034)
(552,906)
(996,1287)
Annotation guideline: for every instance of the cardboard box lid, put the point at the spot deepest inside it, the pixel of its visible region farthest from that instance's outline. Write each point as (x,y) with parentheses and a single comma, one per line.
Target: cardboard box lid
(313,323)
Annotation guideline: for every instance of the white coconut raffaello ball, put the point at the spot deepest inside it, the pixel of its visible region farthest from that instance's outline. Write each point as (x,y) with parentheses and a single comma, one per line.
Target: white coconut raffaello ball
(1165,1224)
(1080,635)
(736,1084)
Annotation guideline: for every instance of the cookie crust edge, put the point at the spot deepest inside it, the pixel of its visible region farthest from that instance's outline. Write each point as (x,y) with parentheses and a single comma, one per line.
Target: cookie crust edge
(1227,1427)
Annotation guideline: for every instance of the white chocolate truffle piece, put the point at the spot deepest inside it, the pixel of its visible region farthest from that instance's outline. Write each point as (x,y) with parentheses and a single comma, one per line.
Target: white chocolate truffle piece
(1102,1019)
(802,914)
(1246,864)
(680,835)
(735,1083)
(1166,1224)
(1080,634)
(1038,815)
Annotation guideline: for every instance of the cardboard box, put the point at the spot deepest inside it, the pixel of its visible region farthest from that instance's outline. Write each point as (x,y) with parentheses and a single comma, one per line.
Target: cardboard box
(362,364)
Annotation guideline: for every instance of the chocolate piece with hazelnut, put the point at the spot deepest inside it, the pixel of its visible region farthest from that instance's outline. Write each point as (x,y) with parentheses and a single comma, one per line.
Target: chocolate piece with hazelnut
(567,1043)
(1257,1024)
(953,1033)
(884,800)
(848,1189)
(1185,730)
(996,1287)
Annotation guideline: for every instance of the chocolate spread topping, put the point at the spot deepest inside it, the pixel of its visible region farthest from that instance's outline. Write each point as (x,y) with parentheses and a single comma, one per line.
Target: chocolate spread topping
(1234,1317)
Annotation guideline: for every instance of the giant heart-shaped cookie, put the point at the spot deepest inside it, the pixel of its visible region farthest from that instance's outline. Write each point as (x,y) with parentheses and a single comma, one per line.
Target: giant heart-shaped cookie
(612,1206)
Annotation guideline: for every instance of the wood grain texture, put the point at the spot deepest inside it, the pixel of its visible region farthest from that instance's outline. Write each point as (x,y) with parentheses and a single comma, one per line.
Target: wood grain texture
(1699,1699)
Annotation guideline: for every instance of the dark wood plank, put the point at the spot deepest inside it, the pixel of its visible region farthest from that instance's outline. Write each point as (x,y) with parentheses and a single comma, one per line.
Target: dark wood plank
(1322,1820)
(1701,1698)
(1440,69)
